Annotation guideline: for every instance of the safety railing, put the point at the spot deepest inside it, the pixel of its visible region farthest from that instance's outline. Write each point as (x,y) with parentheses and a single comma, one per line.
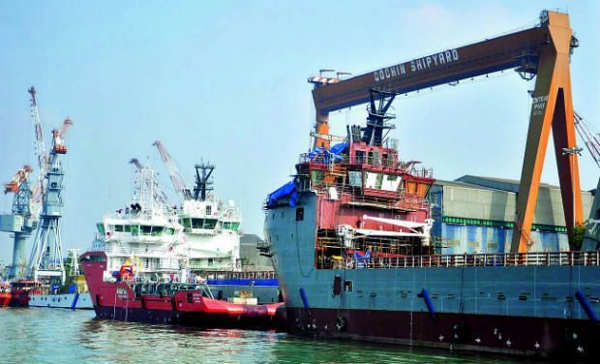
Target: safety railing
(572,258)
(216,274)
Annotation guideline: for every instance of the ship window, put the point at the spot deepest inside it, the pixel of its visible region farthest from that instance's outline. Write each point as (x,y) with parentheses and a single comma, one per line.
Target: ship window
(317,176)
(300,214)
(422,189)
(146,229)
(348,286)
(359,156)
(231,225)
(197,223)
(135,230)
(376,159)
(211,262)
(186,223)
(127,228)
(118,228)
(209,210)
(210,223)
(169,231)
(100,228)
(157,230)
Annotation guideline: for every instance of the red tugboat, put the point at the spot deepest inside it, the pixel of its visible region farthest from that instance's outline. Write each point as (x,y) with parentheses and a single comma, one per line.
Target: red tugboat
(121,297)
(16,294)
(5,294)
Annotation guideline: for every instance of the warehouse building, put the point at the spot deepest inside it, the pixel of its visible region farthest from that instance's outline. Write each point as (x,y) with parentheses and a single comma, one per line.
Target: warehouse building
(476,215)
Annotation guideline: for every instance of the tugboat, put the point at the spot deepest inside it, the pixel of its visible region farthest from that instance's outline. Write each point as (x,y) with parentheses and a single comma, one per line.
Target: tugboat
(17,294)
(125,297)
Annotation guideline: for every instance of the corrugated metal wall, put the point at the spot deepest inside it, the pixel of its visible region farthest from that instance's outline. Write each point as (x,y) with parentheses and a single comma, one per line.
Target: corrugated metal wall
(475,203)
(466,202)
(460,239)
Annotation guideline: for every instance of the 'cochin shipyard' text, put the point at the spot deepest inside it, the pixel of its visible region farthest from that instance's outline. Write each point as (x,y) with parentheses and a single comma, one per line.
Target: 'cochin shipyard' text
(416,65)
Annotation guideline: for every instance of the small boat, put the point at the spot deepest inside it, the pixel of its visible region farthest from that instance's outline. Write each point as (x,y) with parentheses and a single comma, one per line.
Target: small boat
(16,294)
(5,294)
(124,297)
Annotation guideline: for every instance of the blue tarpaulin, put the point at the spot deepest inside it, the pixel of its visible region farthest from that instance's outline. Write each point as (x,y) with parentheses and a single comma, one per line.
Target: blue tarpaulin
(339,148)
(334,152)
(288,189)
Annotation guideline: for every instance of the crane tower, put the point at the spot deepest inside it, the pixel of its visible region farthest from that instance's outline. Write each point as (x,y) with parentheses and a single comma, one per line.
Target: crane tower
(46,261)
(20,222)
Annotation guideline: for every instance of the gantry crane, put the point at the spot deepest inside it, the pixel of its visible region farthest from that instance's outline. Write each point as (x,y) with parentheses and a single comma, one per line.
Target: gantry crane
(159,194)
(183,192)
(543,51)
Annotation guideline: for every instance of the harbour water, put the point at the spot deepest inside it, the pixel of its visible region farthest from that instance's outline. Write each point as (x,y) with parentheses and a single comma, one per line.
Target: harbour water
(39,335)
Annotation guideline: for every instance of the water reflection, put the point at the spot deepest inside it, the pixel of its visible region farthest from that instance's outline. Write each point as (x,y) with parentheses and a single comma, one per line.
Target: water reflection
(65,336)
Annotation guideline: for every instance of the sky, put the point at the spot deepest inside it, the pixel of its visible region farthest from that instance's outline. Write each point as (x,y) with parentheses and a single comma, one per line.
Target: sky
(225,82)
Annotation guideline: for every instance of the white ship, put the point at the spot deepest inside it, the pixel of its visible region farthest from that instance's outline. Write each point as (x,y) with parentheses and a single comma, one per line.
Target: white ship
(145,236)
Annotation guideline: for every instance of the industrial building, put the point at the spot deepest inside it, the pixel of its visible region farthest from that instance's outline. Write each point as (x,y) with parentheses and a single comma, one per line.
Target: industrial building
(476,215)
(250,255)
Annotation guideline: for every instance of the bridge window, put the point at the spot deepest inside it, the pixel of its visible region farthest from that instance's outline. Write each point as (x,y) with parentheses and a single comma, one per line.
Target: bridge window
(210,223)
(209,210)
(146,229)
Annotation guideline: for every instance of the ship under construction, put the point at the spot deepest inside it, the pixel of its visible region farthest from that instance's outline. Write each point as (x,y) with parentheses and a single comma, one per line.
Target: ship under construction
(350,235)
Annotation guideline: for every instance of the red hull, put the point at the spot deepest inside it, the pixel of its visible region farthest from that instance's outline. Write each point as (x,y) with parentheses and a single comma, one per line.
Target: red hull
(15,298)
(543,337)
(5,299)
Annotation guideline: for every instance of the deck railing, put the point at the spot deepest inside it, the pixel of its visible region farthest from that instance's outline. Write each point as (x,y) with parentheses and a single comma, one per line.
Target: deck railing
(572,258)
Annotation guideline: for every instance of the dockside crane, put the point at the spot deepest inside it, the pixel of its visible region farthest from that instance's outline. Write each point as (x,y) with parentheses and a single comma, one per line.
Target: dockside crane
(20,223)
(542,52)
(183,192)
(159,194)
(46,260)
(41,155)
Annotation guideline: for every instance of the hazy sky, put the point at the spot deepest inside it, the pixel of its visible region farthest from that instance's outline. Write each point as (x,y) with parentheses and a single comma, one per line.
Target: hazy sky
(226,81)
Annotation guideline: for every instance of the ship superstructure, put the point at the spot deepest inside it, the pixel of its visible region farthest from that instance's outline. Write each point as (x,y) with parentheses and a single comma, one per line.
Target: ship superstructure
(146,234)
(211,227)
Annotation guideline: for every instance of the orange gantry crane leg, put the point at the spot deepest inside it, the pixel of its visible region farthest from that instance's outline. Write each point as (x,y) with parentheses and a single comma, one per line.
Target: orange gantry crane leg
(552,108)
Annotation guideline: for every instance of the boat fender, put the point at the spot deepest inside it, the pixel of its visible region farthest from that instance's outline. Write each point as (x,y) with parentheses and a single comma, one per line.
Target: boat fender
(429,304)
(586,306)
(305,300)
(340,323)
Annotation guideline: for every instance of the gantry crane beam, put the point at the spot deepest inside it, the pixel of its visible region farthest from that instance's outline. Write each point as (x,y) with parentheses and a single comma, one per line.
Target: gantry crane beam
(541,51)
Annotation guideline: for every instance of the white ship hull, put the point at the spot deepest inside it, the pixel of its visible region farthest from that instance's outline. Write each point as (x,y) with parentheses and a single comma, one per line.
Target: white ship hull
(75,301)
